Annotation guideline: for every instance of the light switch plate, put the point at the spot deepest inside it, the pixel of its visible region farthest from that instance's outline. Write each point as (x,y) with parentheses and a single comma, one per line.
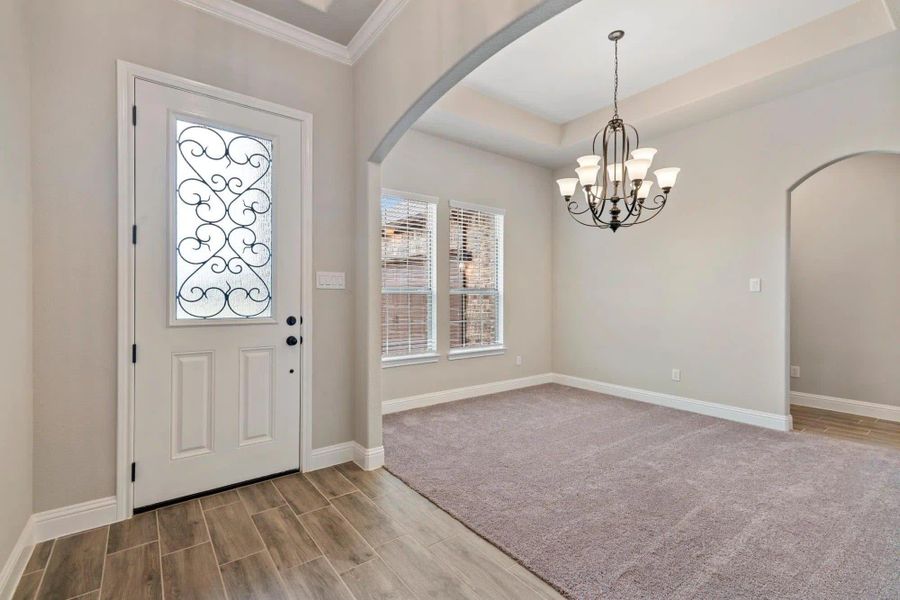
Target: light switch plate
(676,374)
(795,371)
(326,280)
(756,284)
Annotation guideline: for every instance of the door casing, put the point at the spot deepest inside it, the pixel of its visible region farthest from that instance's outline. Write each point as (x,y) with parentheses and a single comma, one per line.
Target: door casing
(127,74)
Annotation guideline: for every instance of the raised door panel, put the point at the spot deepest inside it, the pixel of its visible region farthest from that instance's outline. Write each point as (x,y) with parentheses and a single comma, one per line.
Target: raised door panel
(257,396)
(192,404)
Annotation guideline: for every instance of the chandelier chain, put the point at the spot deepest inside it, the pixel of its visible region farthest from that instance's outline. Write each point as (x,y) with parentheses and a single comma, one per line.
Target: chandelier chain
(616,82)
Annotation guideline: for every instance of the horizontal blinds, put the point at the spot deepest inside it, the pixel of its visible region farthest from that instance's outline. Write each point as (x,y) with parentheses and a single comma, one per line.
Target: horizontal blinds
(476,277)
(407,275)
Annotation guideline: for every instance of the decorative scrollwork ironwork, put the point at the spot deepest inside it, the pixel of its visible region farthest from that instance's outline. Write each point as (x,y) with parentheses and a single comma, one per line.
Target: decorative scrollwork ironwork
(223,224)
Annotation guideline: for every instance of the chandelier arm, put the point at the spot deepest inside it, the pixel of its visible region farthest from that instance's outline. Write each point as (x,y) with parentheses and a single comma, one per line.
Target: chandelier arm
(658,202)
(573,204)
(652,216)
(597,209)
(599,225)
(637,136)
(630,205)
(592,202)
(637,215)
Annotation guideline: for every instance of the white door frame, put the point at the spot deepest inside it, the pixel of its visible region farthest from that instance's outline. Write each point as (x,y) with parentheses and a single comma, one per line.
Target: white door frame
(127,74)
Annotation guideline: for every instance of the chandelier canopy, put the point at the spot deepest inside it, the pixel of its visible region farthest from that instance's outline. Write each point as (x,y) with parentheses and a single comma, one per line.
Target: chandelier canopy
(611,178)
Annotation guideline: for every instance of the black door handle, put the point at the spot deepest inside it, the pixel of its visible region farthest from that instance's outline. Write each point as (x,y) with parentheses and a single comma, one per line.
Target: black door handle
(291,341)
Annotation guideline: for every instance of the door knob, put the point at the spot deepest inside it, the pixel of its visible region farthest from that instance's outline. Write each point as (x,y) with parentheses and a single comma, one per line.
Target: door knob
(291,341)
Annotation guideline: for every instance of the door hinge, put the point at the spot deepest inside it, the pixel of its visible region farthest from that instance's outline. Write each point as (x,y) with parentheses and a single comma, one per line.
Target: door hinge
(133,470)
(134,234)
(134,114)
(134,353)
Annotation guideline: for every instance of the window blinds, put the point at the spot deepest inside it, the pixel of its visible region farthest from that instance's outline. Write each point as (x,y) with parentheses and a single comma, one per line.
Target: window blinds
(408,223)
(476,276)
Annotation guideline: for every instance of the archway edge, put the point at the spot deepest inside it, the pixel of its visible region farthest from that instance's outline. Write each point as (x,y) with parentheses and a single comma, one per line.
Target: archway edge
(834,161)
(460,48)
(436,45)
(787,267)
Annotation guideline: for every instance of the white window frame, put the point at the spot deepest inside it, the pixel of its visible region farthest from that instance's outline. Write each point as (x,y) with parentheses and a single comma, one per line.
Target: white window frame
(425,357)
(499,347)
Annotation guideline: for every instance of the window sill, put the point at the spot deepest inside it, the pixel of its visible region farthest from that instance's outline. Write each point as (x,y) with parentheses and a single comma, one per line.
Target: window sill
(476,352)
(403,361)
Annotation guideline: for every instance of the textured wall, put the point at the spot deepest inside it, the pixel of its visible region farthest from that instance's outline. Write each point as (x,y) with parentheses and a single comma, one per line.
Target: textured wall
(845,280)
(15,272)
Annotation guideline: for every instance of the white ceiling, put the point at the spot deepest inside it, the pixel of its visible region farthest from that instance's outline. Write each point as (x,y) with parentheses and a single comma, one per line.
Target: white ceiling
(563,69)
(336,20)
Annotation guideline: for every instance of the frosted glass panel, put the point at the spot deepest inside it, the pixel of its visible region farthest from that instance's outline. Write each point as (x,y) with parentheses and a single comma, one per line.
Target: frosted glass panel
(223,224)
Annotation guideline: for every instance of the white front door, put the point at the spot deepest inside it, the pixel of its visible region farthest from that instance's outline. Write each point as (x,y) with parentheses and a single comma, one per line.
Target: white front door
(217,293)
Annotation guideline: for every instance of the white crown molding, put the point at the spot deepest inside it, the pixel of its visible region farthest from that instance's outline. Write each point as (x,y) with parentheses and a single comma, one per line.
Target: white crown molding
(276,28)
(377,22)
(272,27)
(885,412)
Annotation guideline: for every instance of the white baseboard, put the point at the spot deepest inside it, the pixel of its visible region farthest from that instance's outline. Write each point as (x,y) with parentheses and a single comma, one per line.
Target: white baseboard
(712,409)
(854,407)
(15,563)
(72,519)
(329,456)
(472,391)
(368,459)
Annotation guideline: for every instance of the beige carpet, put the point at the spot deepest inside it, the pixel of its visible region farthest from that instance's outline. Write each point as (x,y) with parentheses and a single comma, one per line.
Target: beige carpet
(608,498)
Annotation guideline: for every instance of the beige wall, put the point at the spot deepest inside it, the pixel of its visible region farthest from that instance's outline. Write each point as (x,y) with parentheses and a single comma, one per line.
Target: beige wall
(74,47)
(15,272)
(630,306)
(426,164)
(845,280)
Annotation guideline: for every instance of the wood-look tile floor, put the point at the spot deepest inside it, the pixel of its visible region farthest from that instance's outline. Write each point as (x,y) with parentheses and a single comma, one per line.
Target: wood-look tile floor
(845,426)
(336,534)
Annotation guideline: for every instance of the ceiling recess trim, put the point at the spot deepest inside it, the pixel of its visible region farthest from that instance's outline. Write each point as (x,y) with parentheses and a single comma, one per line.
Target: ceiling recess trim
(276,28)
(377,22)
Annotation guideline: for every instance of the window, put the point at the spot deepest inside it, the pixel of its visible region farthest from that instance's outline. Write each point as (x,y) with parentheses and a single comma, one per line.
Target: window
(223,224)
(476,280)
(408,223)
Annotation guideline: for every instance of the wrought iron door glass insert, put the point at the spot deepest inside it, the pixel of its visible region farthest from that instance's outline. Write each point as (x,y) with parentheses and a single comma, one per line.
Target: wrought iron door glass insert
(616,188)
(223,224)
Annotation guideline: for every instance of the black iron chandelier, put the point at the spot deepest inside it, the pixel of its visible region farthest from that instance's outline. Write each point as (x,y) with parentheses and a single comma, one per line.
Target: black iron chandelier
(623,180)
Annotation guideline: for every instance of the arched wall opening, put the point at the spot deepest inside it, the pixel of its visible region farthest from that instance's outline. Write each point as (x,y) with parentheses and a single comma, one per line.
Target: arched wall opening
(440,44)
(841,285)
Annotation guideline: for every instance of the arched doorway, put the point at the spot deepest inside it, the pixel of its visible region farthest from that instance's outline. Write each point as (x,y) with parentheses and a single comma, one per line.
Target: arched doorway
(841,296)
